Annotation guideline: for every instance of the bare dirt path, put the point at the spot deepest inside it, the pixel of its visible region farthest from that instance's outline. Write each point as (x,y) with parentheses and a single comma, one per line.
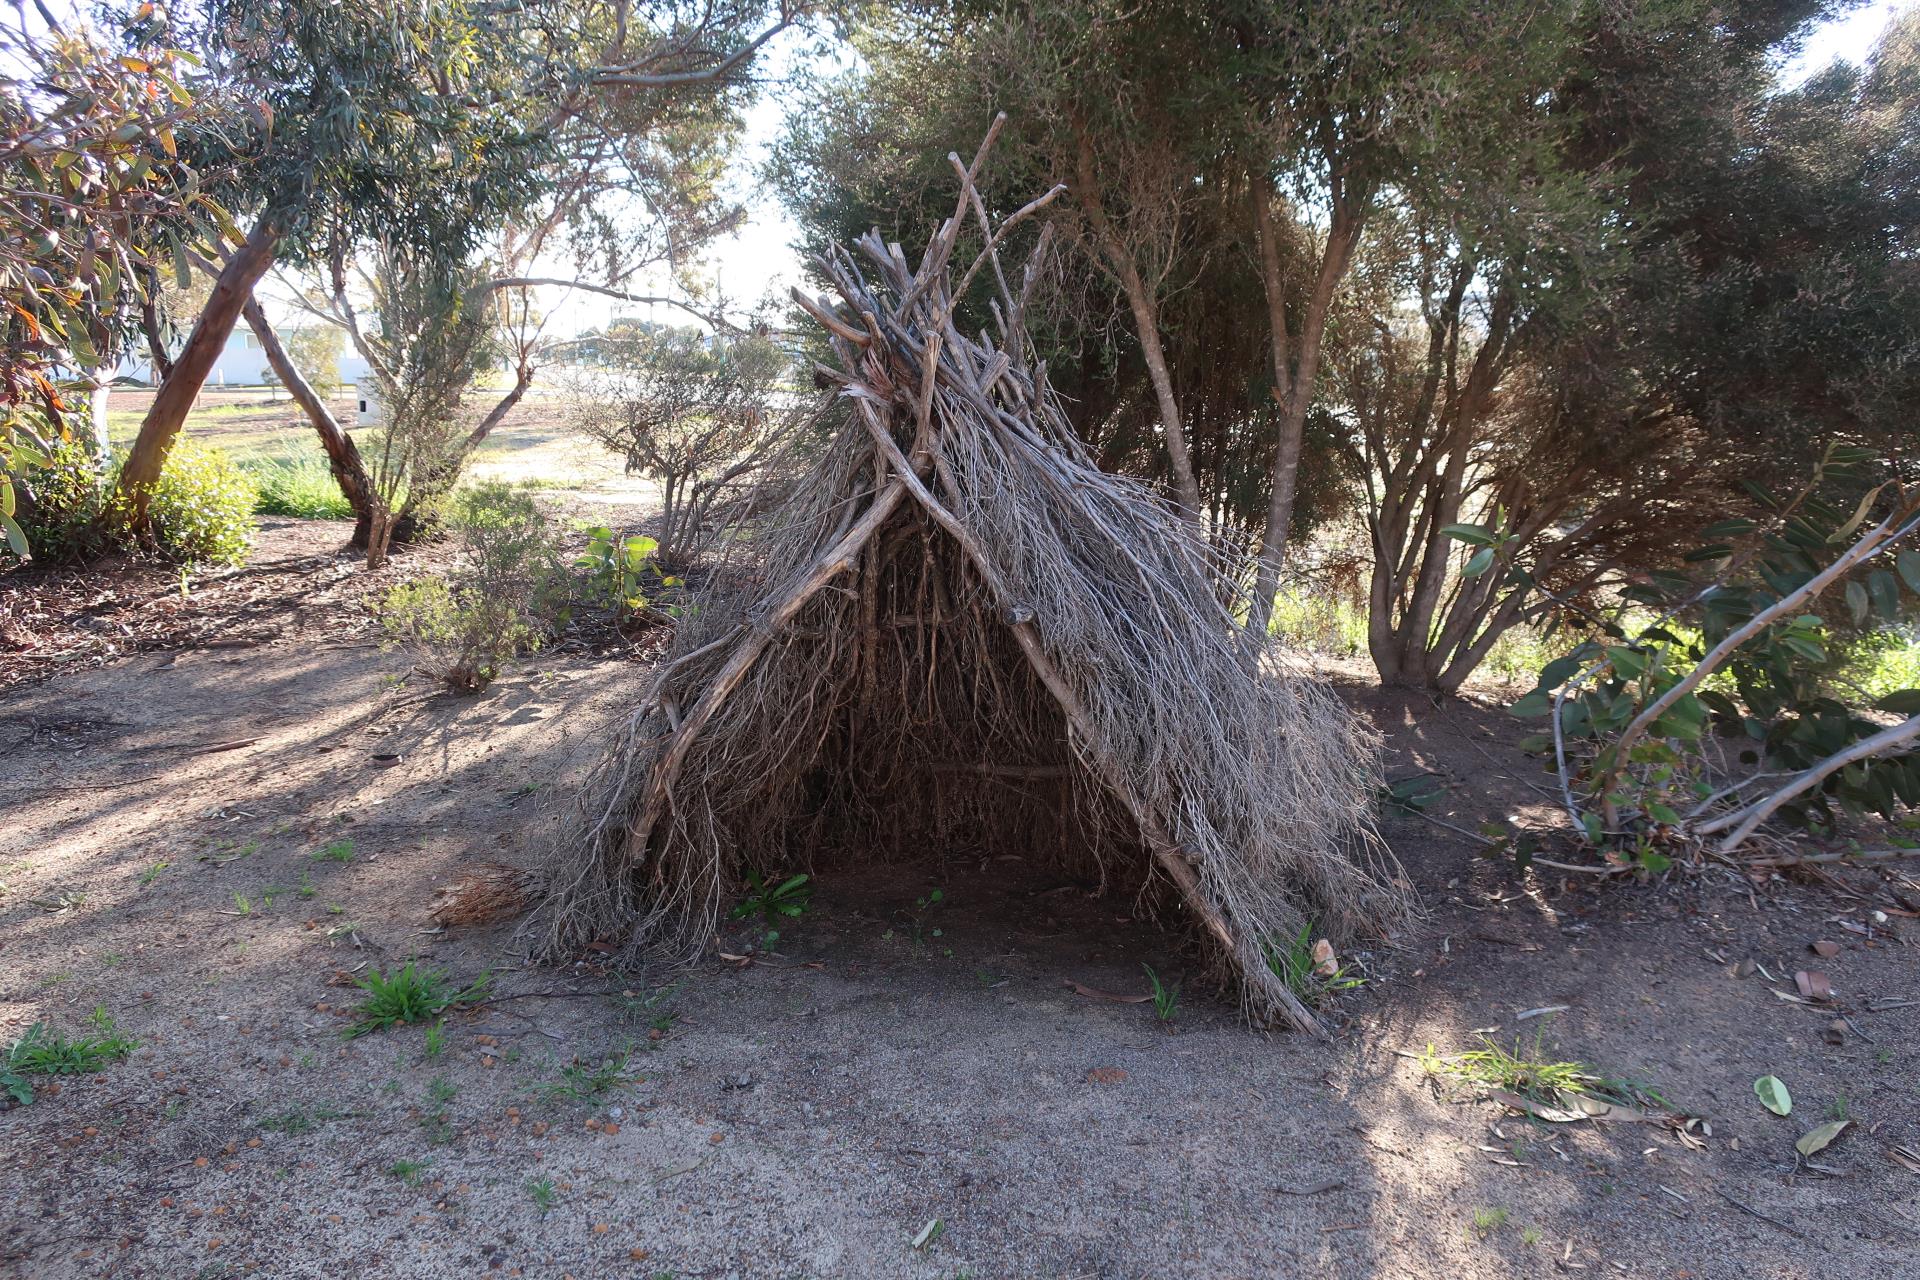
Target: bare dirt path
(208,840)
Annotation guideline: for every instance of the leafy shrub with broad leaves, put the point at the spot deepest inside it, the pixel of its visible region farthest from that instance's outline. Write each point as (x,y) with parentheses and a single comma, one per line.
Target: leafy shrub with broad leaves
(620,572)
(1648,771)
(201,509)
(502,602)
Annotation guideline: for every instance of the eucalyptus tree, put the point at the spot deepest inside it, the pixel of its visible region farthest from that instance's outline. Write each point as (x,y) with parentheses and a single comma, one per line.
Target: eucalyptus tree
(1691,283)
(90,118)
(430,125)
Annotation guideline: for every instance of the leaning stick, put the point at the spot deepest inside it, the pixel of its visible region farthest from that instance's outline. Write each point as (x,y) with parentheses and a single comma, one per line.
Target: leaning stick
(832,562)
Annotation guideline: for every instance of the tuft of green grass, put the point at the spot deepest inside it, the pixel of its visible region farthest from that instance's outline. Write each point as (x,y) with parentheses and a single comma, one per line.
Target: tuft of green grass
(44,1052)
(152,873)
(305,488)
(1486,1222)
(582,1080)
(409,1171)
(541,1189)
(337,851)
(410,994)
(436,1041)
(1531,1074)
(1166,999)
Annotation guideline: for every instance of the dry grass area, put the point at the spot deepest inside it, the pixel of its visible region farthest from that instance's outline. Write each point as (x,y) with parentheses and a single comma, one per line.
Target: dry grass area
(213,838)
(531,446)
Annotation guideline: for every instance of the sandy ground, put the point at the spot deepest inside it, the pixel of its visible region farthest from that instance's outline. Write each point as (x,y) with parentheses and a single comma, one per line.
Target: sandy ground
(807,1117)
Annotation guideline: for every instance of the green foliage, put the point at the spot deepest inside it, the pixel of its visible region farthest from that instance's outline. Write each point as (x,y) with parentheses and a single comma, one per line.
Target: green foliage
(410,994)
(1774,704)
(618,572)
(98,196)
(502,602)
(786,900)
(44,1052)
(1166,999)
(201,508)
(305,489)
(580,1081)
(315,350)
(63,502)
(1313,978)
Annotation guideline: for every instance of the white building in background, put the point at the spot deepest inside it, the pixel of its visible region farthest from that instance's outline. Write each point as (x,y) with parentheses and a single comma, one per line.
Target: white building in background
(242,364)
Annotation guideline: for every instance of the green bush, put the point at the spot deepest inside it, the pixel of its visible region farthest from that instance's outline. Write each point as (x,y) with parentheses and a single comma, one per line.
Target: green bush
(503,601)
(201,509)
(60,514)
(305,489)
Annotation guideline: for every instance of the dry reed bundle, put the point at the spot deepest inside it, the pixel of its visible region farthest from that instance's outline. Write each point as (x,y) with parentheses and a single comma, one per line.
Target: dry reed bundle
(958,629)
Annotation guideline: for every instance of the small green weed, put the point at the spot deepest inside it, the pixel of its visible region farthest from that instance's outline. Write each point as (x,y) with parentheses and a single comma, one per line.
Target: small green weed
(243,904)
(541,1189)
(1486,1222)
(410,994)
(409,1171)
(1533,1075)
(1307,975)
(44,1052)
(784,901)
(337,851)
(582,1080)
(436,1041)
(152,873)
(1166,999)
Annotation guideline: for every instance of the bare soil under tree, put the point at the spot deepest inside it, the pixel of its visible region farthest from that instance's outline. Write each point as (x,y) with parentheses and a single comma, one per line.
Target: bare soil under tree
(809,1115)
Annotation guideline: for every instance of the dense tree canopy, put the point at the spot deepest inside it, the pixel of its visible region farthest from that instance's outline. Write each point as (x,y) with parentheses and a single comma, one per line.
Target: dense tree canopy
(1557,279)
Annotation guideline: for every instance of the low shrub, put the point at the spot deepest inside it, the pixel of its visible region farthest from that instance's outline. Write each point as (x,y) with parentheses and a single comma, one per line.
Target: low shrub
(201,509)
(503,601)
(60,513)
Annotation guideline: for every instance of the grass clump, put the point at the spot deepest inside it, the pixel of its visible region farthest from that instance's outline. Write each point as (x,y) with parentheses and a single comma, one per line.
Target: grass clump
(1166,998)
(580,1081)
(1537,1077)
(410,994)
(305,489)
(43,1051)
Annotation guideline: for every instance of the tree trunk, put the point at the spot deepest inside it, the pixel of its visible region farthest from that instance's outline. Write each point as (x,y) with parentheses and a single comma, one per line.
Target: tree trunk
(181,387)
(343,457)
(1293,384)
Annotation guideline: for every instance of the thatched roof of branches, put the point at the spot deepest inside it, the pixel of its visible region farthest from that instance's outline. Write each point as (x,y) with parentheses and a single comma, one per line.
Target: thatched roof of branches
(958,631)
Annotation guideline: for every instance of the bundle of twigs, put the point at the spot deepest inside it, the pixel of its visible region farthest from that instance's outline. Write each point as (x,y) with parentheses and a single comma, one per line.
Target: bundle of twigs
(959,629)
